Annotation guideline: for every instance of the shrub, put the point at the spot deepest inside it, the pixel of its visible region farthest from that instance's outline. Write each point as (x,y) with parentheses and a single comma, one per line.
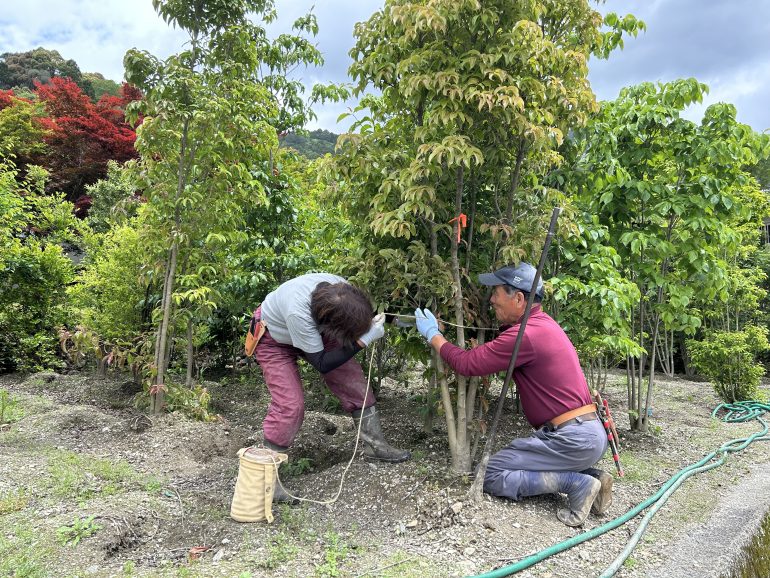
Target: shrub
(728,359)
(34,270)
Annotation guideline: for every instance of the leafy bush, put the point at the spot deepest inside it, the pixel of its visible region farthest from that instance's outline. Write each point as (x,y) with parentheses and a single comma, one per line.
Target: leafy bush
(34,270)
(728,359)
(192,402)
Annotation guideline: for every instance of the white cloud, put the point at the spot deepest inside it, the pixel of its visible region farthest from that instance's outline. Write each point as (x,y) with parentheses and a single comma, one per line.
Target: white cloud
(94,33)
(724,44)
(743,88)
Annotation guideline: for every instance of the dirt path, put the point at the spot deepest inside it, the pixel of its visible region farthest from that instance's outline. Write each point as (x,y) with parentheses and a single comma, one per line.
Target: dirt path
(139,495)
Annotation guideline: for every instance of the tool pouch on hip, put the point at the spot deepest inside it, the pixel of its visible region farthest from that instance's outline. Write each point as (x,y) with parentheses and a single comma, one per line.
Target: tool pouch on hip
(256,331)
(253,496)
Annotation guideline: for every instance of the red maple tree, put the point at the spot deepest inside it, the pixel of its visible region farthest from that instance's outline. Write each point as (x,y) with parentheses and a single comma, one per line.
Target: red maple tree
(6,98)
(83,136)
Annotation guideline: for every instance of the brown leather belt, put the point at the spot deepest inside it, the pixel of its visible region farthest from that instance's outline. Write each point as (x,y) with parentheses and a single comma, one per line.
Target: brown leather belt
(585,413)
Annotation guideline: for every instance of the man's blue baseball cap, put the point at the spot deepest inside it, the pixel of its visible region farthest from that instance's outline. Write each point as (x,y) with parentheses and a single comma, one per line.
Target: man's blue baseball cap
(520,277)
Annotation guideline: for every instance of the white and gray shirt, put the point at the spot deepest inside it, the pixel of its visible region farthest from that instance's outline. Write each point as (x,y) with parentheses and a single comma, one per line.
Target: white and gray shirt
(286,312)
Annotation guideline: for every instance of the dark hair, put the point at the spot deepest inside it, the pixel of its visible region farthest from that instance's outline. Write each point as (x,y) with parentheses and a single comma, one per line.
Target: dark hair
(341,311)
(511,290)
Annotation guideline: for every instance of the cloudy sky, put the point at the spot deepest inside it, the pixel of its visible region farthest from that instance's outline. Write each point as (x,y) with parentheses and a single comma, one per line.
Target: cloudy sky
(723,43)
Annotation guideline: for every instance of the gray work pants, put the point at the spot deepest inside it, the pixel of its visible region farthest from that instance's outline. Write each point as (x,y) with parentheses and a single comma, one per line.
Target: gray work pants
(572,448)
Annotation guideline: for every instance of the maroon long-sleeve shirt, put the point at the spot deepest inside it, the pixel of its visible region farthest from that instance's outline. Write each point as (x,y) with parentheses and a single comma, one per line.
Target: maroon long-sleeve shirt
(547,373)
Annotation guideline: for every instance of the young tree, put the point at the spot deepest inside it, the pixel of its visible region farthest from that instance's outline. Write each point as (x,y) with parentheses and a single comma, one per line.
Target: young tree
(21,131)
(667,190)
(206,138)
(476,98)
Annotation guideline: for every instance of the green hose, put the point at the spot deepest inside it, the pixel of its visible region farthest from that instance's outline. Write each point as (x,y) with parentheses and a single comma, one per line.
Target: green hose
(736,412)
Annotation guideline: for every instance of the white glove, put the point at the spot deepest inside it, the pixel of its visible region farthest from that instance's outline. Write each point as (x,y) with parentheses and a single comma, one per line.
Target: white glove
(376,331)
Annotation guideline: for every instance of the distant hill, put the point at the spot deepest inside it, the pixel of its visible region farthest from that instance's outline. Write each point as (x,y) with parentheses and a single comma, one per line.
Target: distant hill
(313,145)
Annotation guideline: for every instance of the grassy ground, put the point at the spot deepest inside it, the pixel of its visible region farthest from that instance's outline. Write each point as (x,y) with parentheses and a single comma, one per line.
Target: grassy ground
(89,486)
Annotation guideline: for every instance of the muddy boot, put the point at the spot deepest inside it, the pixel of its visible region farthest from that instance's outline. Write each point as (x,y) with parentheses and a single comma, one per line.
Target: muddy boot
(279,494)
(580,489)
(376,448)
(603,499)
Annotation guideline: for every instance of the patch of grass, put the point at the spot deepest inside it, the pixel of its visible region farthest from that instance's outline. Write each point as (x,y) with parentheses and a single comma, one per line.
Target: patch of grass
(18,440)
(693,506)
(83,477)
(639,468)
(404,565)
(80,528)
(296,467)
(10,409)
(335,552)
(23,552)
(280,550)
(418,455)
(295,523)
(13,501)
(212,512)
(153,484)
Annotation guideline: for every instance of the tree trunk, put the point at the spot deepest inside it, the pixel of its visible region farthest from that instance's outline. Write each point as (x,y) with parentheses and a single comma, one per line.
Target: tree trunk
(427,418)
(461,457)
(190,354)
(515,177)
(446,401)
(158,389)
(161,347)
(471,222)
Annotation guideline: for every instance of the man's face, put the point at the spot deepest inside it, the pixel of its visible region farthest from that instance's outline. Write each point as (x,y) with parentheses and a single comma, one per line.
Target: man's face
(508,308)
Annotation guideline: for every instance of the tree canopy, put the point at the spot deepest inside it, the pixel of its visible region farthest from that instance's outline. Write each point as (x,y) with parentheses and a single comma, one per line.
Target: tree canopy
(24,69)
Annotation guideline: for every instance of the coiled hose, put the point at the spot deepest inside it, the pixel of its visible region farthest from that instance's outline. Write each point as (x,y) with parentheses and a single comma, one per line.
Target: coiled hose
(742,411)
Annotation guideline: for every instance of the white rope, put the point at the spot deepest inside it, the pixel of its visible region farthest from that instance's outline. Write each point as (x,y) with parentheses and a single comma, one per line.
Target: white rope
(358,431)
(350,462)
(446,322)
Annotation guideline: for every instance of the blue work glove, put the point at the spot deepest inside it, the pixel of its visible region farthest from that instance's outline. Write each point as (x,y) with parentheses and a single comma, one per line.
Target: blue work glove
(376,331)
(426,323)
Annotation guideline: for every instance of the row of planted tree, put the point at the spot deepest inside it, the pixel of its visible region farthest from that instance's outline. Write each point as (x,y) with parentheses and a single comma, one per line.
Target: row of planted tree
(480,122)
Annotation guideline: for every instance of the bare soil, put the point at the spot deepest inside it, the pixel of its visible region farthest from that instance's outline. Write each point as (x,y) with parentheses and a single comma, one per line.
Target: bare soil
(159,488)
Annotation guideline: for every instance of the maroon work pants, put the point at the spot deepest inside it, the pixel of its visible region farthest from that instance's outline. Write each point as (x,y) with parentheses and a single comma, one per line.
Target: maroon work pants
(287,400)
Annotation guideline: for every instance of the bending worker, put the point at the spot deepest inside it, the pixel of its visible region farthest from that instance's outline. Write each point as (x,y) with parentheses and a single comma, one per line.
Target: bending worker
(325,320)
(568,437)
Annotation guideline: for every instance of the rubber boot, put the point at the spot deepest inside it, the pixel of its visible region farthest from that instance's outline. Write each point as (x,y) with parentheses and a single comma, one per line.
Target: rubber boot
(581,490)
(376,448)
(279,494)
(603,499)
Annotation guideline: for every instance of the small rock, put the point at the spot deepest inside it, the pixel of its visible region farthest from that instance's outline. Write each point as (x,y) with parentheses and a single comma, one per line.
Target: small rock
(469,551)
(218,556)
(456,507)
(585,556)
(411,524)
